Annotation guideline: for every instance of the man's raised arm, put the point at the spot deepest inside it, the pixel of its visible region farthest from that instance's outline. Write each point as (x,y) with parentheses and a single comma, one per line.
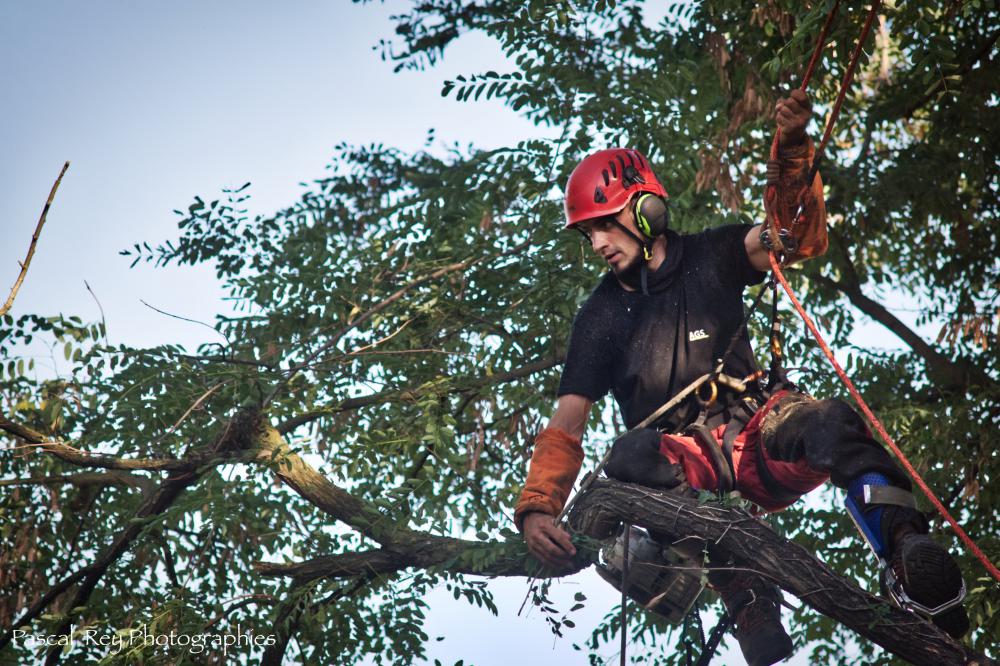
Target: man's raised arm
(795,155)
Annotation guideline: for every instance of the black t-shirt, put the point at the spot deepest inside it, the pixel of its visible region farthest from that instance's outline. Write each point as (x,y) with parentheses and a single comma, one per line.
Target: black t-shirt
(645,349)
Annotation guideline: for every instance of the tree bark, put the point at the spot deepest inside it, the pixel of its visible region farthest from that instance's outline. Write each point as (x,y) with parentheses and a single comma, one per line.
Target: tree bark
(754,544)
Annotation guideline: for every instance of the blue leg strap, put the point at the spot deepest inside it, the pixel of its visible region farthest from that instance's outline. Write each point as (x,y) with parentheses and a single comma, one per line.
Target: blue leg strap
(867,517)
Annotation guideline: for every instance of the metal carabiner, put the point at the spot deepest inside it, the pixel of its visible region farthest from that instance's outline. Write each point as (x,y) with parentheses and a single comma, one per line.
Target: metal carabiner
(712,396)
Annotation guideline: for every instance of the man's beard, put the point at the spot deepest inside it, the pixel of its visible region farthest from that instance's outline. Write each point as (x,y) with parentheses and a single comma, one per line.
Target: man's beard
(632,273)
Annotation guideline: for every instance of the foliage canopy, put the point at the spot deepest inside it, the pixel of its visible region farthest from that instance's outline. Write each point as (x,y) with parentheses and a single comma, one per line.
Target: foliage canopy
(401,325)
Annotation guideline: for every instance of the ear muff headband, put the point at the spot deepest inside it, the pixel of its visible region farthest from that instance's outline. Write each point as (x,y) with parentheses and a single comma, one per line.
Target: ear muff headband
(652,215)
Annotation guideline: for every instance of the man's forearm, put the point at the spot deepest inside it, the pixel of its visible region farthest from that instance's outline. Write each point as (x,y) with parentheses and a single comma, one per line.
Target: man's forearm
(555,464)
(810,230)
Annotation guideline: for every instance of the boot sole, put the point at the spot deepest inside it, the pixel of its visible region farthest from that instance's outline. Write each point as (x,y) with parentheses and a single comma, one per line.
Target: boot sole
(931,576)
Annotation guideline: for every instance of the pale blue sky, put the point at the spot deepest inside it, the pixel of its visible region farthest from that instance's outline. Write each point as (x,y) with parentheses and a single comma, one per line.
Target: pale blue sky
(155,102)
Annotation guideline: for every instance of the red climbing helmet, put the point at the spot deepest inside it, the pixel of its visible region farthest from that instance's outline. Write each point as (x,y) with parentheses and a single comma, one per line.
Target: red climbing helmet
(603,183)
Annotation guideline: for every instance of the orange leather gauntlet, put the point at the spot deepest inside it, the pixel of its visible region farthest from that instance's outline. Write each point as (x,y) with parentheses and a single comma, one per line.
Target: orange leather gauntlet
(810,231)
(555,462)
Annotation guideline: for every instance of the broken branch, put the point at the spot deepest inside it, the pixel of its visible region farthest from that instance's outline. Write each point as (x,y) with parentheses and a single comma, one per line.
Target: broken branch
(34,242)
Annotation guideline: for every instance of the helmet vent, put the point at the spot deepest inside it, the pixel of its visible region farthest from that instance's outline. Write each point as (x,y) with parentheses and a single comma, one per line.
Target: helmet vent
(607,181)
(614,169)
(599,195)
(631,176)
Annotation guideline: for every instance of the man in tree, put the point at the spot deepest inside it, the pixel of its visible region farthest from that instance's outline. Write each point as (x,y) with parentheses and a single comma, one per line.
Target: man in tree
(662,317)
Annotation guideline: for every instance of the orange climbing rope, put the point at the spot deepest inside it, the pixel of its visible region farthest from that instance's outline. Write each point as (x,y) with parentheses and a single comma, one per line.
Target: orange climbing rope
(874,421)
(775,226)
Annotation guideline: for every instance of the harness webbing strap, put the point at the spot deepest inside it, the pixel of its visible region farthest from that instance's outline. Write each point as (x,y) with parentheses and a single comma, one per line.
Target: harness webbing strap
(624,616)
(723,467)
(778,491)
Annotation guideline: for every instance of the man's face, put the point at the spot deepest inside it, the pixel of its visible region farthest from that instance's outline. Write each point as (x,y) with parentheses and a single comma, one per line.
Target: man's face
(610,242)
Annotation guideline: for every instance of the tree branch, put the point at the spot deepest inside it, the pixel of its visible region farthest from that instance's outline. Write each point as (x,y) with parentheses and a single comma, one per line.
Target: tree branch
(733,530)
(34,241)
(234,435)
(366,315)
(755,545)
(243,603)
(402,547)
(382,305)
(80,458)
(980,53)
(83,479)
(950,375)
(480,558)
(271,449)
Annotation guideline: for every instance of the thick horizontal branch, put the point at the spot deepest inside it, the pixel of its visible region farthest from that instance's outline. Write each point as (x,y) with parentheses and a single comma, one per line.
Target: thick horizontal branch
(402,546)
(85,459)
(80,458)
(754,544)
(481,558)
(336,566)
(83,479)
(411,393)
(733,530)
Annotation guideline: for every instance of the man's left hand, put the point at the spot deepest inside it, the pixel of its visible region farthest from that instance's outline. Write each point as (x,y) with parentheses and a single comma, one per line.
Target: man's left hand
(792,115)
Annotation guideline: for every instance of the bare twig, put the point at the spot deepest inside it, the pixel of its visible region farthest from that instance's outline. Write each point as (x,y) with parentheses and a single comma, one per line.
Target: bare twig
(378,307)
(250,599)
(193,321)
(388,337)
(411,393)
(104,322)
(34,242)
(195,405)
(228,360)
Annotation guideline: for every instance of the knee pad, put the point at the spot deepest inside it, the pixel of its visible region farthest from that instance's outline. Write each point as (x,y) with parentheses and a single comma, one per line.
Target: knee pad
(636,458)
(832,425)
(835,416)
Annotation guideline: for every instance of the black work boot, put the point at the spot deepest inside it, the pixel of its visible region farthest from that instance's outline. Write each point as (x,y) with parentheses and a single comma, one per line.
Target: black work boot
(922,576)
(918,574)
(754,604)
